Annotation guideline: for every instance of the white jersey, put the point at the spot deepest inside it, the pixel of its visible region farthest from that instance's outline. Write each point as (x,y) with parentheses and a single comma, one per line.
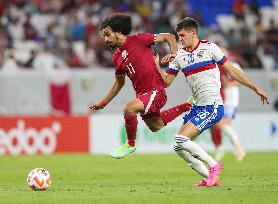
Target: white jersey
(200,67)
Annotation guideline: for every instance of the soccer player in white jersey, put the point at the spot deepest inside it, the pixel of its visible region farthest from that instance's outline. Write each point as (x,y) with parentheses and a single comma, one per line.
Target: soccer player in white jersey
(199,61)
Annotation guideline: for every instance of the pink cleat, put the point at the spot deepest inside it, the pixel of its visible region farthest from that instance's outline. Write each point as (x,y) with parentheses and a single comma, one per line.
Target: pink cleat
(213,174)
(203,183)
(217,183)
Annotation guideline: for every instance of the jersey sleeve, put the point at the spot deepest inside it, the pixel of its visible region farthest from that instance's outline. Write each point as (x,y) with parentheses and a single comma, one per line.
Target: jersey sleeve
(217,54)
(117,62)
(147,39)
(119,71)
(173,68)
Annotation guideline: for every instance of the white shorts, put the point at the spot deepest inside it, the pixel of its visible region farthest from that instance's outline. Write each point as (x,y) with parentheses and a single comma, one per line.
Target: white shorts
(230,112)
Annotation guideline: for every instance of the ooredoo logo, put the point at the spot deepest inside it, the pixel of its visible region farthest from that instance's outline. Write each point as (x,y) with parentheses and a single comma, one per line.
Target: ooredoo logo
(29,140)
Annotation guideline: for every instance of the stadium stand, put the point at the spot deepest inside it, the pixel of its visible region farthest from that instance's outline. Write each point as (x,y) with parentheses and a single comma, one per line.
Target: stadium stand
(68,27)
(45,35)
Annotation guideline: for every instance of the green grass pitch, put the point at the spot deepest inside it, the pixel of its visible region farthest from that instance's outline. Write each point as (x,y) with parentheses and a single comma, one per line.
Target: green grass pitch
(138,179)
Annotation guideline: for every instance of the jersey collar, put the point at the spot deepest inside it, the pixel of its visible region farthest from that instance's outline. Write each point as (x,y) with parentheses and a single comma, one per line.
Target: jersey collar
(125,43)
(193,48)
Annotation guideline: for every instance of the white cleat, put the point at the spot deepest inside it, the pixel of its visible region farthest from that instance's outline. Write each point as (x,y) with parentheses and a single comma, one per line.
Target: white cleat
(240,154)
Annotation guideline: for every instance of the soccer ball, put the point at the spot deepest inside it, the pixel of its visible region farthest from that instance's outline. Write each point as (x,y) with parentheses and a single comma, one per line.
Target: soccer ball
(39,179)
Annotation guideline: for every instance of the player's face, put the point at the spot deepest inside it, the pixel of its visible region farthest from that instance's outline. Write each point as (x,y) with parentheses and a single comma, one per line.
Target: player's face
(110,37)
(186,37)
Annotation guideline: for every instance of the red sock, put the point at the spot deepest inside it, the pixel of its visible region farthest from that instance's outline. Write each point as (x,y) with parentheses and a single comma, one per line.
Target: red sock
(131,128)
(216,136)
(171,113)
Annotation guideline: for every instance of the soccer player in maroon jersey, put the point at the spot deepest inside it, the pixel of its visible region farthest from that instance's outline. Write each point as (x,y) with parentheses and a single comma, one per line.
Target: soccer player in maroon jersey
(134,58)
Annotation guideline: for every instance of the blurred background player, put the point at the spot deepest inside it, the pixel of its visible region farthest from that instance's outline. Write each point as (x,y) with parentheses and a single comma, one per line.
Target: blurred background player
(230,95)
(134,58)
(199,60)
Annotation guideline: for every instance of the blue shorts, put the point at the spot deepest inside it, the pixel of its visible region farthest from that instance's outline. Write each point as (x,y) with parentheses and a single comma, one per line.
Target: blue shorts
(204,116)
(230,112)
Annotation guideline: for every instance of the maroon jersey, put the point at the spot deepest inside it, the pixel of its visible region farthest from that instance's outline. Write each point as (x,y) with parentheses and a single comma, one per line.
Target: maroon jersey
(135,59)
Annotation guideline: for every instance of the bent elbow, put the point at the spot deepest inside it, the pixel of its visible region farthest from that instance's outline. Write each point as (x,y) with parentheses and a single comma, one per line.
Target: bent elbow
(169,37)
(173,37)
(121,83)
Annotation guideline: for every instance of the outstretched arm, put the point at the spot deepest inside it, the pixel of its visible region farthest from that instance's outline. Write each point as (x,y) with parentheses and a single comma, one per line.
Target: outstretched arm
(241,78)
(171,40)
(117,86)
(167,78)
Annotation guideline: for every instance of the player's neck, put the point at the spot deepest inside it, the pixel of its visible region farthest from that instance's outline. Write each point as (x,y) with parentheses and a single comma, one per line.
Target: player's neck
(121,40)
(193,45)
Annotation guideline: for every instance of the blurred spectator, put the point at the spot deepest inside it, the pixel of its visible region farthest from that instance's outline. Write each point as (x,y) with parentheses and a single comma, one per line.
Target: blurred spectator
(50,37)
(74,60)
(259,29)
(29,30)
(272,33)
(272,36)
(10,65)
(29,64)
(265,53)
(276,105)
(16,30)
(63,23)
(89,57)
(46,61)
(5,38)
(246,46)
(77,29)
(238,9)
(216,36)
(232,38)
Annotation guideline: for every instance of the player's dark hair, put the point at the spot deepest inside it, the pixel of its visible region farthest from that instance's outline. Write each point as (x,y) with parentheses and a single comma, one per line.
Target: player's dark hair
(187,24)
(118,22)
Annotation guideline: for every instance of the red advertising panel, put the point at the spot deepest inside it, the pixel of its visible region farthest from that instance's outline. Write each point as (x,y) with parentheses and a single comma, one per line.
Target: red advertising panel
(44,135)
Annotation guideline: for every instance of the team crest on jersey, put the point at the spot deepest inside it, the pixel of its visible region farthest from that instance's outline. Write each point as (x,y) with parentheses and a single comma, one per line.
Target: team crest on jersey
(124,54)
(200,54)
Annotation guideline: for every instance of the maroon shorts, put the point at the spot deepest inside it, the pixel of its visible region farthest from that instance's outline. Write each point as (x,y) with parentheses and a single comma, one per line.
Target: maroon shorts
(153,102)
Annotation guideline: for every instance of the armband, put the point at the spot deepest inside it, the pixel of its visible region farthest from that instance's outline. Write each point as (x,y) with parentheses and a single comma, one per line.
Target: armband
(103,102)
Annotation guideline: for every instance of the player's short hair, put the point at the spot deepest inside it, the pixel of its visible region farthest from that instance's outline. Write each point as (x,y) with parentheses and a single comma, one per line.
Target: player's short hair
(187,23)
(118,22)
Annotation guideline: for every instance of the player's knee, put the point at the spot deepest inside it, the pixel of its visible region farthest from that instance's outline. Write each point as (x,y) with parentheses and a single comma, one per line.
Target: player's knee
(154,129)
(129,109)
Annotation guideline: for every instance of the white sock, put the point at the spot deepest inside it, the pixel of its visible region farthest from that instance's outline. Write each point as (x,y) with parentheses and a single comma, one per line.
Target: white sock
(233,136)
(194,163)
(194,149)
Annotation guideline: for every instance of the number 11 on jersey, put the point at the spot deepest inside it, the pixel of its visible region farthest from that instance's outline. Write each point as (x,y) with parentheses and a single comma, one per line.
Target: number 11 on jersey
(130,69)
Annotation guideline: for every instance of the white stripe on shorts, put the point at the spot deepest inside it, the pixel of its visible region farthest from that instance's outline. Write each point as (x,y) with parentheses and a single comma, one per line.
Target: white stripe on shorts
(150,101)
